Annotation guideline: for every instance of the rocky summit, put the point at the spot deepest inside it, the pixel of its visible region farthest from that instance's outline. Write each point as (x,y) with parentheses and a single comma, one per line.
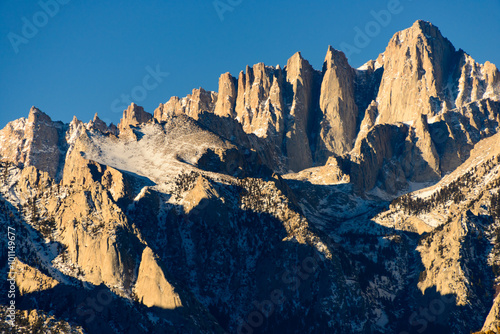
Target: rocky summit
(293,200)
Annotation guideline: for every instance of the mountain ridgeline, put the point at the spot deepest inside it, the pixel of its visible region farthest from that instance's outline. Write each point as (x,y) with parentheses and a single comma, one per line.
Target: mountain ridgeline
(293,200)
(310,115)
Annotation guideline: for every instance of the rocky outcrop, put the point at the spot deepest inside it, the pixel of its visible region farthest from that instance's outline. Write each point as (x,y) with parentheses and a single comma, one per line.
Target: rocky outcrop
(418,63)
(172,107)
(375,154)
(133,116)
(392,155)
(422,158)
(202,190)
(13,134)
(44,152)
(193,105)
(259,104)
(306,116)
(94,237)
(152,288)
(492,322)
(476,81)
(339,118)
(99,241)
(443,268)
(96,259)
(199,101)
(96,124)
(332,173)
(35,141)
(424,74)
(299,75)
(456,131)
(29,279)
(427,151)
(81,172)
(367,123)
(226,102)
(309,116)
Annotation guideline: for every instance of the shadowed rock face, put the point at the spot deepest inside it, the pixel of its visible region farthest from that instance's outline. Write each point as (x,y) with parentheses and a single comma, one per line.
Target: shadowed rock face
(429,163)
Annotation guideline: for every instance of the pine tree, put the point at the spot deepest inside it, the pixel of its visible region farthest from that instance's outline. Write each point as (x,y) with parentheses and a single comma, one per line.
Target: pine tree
(34,210)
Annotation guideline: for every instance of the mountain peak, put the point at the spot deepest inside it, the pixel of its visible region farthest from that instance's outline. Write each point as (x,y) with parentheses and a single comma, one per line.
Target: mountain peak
(75,120)
(134,115)
(36,115)
(423,25)
(295,63)
(334,57)
(420,32)
(297,54)
(331,51)
(98,124)
(422,56)
(296,59)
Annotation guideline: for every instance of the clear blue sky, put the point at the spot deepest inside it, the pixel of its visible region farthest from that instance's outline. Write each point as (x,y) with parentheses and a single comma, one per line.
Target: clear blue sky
(88,54)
